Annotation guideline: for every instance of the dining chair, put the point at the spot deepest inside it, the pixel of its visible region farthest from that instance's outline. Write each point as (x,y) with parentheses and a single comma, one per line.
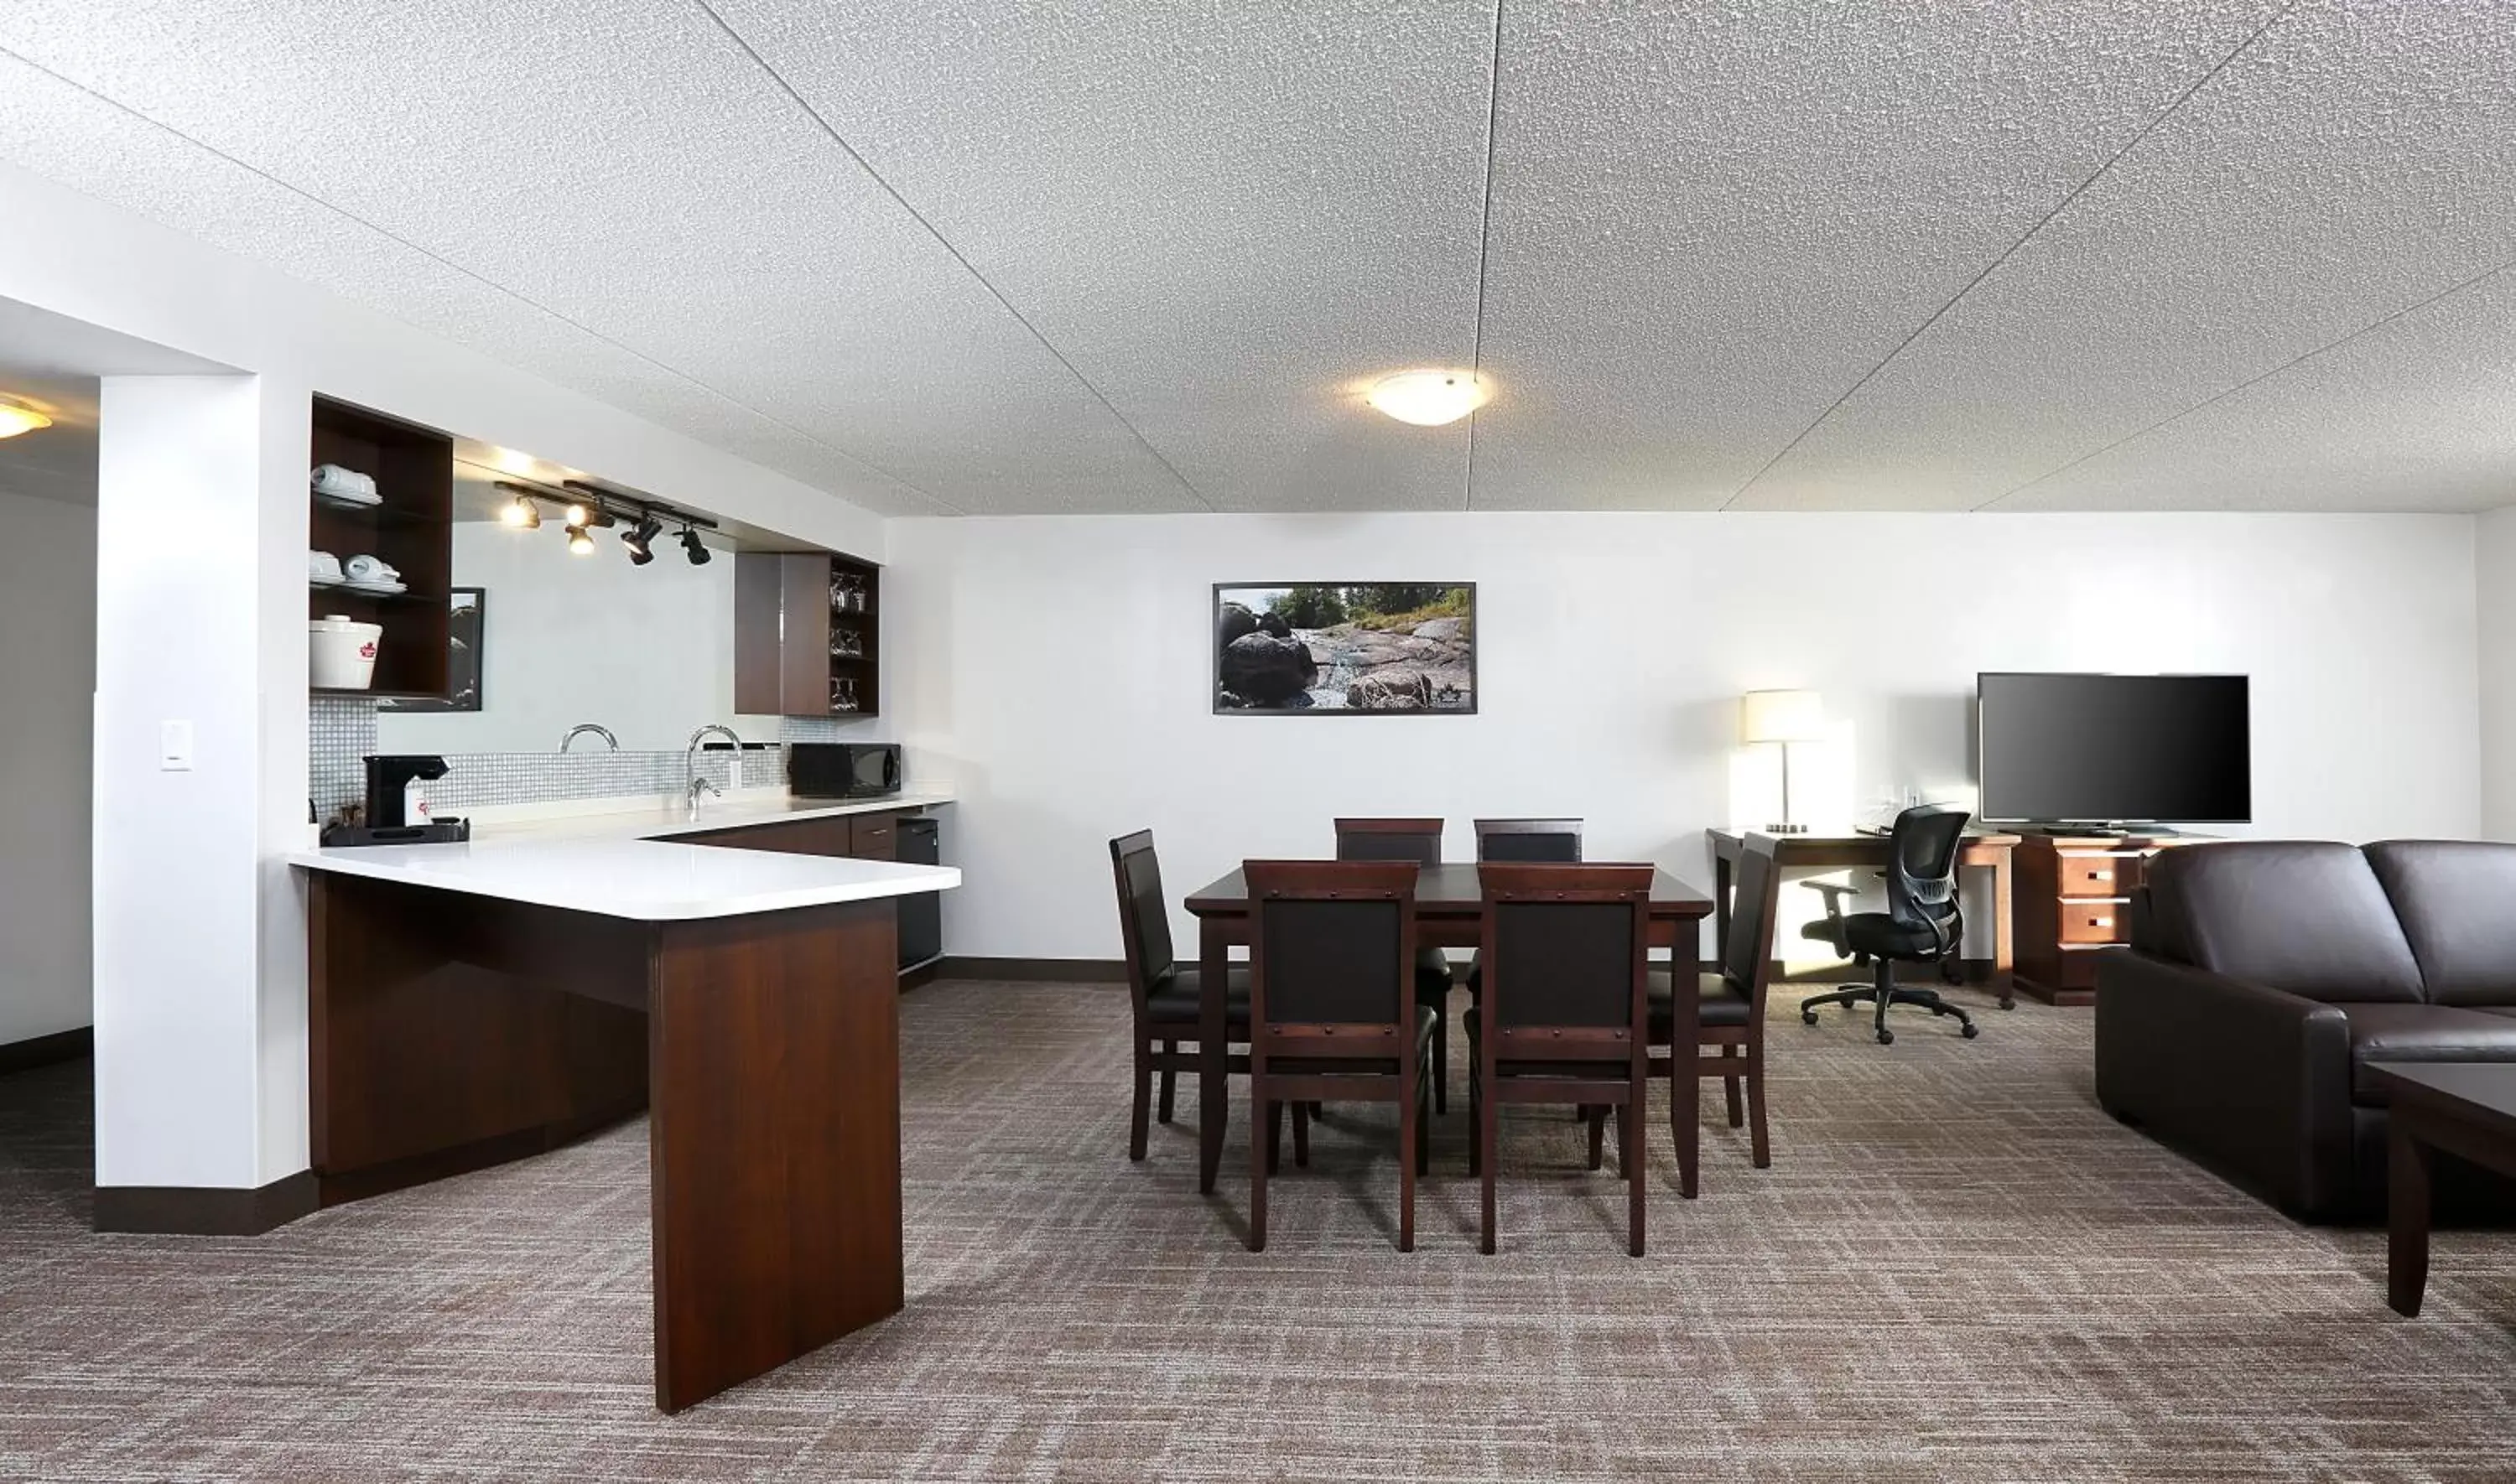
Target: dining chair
(1529,840)
(1565,1016)
(1165,993)
(1332,1011)
(1418,840)
(1730,1015)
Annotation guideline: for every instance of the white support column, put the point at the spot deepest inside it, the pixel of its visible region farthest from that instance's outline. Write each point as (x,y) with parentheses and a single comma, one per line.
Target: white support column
(199,931)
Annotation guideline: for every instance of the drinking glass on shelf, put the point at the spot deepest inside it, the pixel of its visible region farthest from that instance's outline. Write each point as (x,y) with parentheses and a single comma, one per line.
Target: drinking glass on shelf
(846,643)
(842,694)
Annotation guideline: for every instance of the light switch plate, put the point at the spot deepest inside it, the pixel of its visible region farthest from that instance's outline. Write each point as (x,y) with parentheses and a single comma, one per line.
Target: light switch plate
(174,747)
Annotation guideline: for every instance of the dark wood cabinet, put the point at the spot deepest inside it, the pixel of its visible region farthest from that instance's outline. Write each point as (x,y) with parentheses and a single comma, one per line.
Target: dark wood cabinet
(871,836)
(806,640)
(2072,905)
(862,837)
(411,528)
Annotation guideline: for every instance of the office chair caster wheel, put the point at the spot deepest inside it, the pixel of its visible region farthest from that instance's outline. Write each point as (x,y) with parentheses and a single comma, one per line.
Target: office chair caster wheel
(1886,1037)
(1808,1017)
(1971,1032)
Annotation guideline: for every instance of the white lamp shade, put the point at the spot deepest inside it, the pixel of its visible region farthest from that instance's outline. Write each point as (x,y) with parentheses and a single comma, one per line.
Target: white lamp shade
(1781,715)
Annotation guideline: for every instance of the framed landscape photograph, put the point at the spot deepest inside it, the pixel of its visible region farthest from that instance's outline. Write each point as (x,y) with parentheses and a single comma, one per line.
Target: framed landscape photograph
(1370,648)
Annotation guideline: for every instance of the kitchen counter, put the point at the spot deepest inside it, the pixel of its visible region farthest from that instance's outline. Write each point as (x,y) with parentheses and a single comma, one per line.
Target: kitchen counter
(642,880)
(660,820)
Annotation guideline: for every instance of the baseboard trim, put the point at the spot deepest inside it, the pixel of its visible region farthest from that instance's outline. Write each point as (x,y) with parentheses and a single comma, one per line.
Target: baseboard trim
(201,1211)
(43,1050)
(339,1189)
(1034,970)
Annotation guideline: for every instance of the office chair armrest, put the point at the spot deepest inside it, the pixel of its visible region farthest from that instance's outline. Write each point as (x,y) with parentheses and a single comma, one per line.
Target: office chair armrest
(1834,892)
(2250,1077)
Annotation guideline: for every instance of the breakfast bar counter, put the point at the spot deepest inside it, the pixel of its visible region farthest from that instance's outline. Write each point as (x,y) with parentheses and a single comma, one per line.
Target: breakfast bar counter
(472,1003)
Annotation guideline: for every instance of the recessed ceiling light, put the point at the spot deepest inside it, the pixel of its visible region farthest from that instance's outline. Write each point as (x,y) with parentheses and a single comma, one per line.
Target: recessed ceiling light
(17,417)
(1430,398)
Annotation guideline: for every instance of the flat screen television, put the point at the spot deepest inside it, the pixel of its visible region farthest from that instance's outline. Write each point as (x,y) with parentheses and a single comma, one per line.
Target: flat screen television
(2132,749)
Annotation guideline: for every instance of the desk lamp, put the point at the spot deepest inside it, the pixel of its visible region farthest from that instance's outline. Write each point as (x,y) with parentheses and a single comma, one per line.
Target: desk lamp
(1782,717)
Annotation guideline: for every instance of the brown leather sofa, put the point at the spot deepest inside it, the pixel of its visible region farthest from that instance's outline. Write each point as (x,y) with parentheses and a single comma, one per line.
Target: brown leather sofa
(2263,976)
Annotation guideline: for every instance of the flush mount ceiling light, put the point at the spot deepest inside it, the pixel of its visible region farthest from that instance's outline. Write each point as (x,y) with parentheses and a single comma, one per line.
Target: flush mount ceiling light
(17,417)
(1430,398)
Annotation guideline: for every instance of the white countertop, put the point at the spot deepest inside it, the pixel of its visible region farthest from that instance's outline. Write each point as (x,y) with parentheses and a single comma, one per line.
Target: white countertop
(656,819)
(650,880)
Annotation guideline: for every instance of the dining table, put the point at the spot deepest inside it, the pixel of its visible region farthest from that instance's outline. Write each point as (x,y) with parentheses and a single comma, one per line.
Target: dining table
(1449,913)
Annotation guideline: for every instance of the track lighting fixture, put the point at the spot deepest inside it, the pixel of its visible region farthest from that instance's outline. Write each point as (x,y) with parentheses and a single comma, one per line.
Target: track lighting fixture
(640,540)
(578,516)
(524,514)
(693,548)
(579,544)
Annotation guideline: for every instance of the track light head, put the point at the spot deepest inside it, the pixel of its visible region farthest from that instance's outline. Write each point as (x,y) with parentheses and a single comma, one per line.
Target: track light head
(640,540)
(579,544)
(693,548)
(579,515)
(524,515)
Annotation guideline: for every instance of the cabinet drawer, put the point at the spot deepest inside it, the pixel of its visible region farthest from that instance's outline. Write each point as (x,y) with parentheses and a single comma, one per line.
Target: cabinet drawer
(2099,875)
(2096,922)
(871,836)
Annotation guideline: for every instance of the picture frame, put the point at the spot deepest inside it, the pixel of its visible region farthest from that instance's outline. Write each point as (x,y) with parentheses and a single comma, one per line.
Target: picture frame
(467,630)
(1351,649)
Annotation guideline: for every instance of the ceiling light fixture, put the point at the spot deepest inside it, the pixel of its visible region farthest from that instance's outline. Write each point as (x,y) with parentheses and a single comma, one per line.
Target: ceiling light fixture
(524,514)
(579,514)
(693,548)
(579,544)
(641,539)
(1430,398)
(17,417)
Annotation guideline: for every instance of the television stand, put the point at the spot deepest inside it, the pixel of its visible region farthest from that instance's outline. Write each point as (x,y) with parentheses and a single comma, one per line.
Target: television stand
(2074,885)
(2112,829)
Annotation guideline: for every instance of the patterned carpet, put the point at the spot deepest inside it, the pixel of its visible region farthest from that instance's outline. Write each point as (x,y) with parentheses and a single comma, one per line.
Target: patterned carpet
(1957,1268)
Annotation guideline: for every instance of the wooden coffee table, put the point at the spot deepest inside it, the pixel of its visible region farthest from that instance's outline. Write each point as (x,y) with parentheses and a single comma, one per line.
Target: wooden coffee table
(2466,1108)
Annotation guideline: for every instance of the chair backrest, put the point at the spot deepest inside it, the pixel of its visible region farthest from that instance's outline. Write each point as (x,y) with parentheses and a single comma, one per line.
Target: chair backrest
(1922,865)
(1144,916)
(1332,957)
(1530,840)
(1748,963)
(1565,960)
(1415,840)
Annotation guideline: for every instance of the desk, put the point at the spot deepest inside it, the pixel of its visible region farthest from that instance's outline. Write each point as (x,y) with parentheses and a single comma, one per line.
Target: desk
(1837,851)
(1449,913)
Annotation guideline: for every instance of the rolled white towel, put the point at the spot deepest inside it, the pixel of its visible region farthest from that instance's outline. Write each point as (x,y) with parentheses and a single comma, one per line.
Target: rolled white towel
(332,478)
(368,569)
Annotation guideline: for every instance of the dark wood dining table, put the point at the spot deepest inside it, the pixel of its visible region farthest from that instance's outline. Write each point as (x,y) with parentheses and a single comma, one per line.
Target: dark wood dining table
(1449,913)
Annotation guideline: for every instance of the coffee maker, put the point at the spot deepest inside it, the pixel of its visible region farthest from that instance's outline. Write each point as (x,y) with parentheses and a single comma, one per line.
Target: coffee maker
(387,817)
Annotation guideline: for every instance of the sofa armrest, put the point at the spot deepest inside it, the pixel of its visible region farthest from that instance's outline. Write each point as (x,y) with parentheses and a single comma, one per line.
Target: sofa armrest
(2251,1078)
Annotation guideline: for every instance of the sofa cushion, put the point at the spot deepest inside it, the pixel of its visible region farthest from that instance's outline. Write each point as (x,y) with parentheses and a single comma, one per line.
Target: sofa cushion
(2307,917)
(2395,1032)
(2456,902)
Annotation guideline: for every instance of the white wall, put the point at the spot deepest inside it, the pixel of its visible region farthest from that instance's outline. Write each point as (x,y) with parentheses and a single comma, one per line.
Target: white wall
(229,1109)
(2495,573)
(47,705)
(1057,671)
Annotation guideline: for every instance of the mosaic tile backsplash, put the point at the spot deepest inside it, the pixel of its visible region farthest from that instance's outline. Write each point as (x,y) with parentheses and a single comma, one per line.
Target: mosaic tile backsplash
(343,731)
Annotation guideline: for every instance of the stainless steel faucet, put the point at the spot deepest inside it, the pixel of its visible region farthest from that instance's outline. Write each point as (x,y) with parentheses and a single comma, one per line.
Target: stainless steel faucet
(691,779)
(700,786)
(596,728)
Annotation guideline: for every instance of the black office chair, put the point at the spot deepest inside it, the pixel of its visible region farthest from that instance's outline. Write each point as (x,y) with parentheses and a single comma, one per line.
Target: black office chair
(1922,923)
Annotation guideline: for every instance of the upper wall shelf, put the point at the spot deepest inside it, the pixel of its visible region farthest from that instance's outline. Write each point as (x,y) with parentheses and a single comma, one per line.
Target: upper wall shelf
(806,636)
(411,529)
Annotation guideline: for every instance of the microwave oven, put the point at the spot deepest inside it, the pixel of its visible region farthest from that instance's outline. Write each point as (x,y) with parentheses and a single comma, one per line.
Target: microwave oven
(842,769)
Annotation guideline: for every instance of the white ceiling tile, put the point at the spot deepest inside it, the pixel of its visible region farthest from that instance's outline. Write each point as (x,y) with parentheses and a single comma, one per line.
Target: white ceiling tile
(2355,160)
(2419,413)
(1710,221)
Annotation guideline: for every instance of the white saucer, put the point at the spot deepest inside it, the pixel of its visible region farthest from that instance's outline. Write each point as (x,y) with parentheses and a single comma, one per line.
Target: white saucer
(375,589)
(313,581)
(348,501)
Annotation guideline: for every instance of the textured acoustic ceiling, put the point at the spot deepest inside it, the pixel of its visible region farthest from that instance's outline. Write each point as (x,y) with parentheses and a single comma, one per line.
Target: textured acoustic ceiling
(986,257)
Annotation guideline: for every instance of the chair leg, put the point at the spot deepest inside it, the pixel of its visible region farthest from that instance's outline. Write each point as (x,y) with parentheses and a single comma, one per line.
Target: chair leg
(1441,1063)
(1756,1138)
(1486,1159)
(1423,1150)
(1729,1089)
(1886,997)
(1408,1114)
(1629,1141)
(1259,1124)
(1274,1120)
(1142,1104)
(1170,1078)
(1476,1123)
(1302,1134)
(1685,1117)
(1598,1135)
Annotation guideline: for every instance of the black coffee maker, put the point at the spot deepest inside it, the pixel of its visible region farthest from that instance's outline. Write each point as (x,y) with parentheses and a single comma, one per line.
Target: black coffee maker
(387,821)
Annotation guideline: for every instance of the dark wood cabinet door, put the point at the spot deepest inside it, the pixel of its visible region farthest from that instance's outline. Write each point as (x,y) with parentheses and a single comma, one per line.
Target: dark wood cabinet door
(873,835)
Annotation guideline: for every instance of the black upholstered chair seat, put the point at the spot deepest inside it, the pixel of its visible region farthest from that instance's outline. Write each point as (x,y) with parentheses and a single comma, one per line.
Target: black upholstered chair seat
(1874,934)
(1723,1004)
(1431,975)
(1175,996)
